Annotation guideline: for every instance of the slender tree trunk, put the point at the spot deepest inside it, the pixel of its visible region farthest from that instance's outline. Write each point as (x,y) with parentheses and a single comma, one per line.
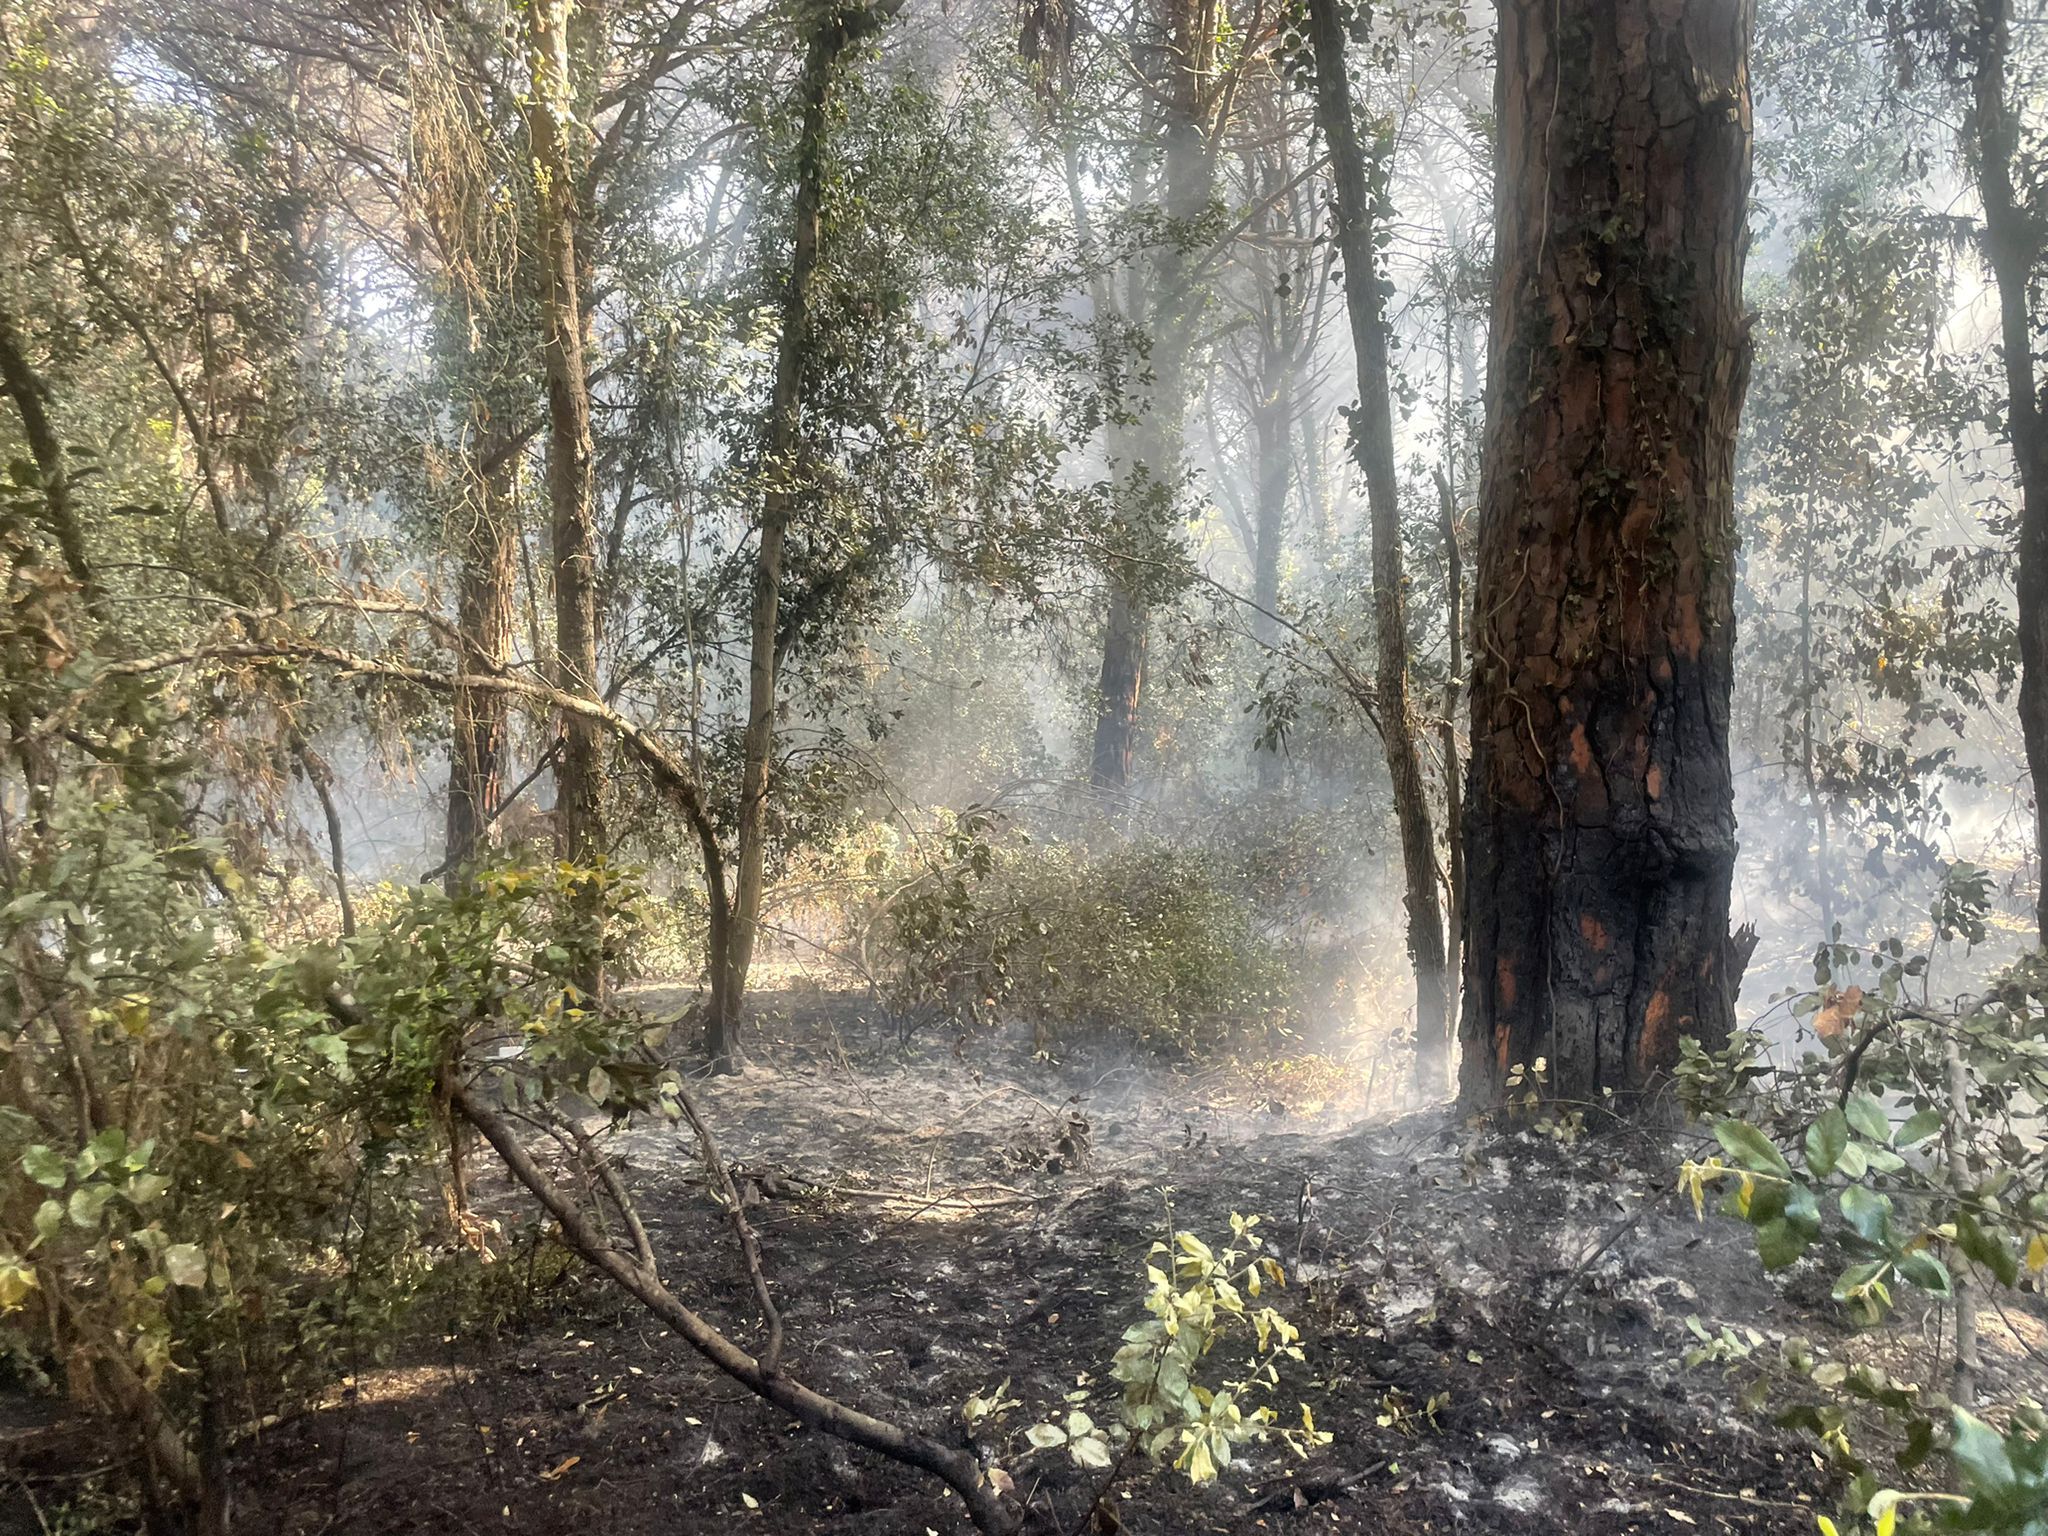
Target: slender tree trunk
(1151,490)
(1824,872)
(1315,492)
(1372,443)
(733,939)
(1272,445)
(572,519)
(2012,248)
(1964,1365)
(1454,682)
(488,552)
(1600,822)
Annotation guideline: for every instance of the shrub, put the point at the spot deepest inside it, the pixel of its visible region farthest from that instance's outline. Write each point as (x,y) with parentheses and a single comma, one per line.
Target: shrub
(1916,1126)
(1147,944)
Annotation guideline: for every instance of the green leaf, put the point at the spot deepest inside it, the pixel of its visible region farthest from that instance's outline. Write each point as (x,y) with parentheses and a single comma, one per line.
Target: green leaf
(49,1220)
(1751,1147)
(1857,1276)
(103,1151)
(1780,1242)
(331,1049)
(1867,1213)
(45,1167)
(1919,1444)
(1980,1455)
(1927,1272)
(185,1264)
(1825,1139)
(1920,1127)
(88,1203)
(1868,1118)
(1987,1247)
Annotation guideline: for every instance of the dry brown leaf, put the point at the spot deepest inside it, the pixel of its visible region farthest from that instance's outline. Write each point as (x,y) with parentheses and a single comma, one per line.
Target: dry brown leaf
(1836,1010)
(554,1473)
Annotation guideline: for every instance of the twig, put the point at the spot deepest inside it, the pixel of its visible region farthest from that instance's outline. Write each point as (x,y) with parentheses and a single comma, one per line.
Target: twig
(771,1360)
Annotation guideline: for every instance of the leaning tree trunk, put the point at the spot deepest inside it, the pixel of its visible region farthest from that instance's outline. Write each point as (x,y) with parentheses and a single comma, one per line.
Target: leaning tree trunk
(1372,442)
(2012,248)
(733,949)
(573,524)
(488,554)
(1600,822)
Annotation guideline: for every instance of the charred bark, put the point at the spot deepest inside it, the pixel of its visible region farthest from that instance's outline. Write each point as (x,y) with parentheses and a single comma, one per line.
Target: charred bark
(1372,443)
(1600,825)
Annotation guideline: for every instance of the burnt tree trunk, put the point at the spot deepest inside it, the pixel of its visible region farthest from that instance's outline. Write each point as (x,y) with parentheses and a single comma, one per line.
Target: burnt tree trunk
(572,518)
(488,555)
(1600,823)
(1372,443)
(2012,248)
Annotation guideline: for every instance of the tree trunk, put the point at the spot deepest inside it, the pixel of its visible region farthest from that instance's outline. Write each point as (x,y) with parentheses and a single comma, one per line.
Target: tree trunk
(733,939)
(488,552)
(1600,823)
(1454,681)
(1183,83)
(1372,443)
(572,521)
(2012,248)
(1272,444)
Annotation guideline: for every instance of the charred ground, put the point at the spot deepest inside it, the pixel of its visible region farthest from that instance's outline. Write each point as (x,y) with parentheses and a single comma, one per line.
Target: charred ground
(1493,1340)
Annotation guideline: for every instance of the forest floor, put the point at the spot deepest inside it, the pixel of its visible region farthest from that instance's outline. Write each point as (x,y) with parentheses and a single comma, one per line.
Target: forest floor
(929,1237)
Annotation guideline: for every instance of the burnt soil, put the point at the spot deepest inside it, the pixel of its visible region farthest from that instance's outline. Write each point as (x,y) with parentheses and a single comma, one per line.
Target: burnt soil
(929,1236)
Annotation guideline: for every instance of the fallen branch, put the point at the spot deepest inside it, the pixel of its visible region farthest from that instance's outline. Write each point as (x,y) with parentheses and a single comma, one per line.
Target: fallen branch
(771,1358)
(988,1509)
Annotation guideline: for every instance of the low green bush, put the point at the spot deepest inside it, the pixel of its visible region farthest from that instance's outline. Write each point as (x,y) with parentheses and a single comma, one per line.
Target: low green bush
(1146,944)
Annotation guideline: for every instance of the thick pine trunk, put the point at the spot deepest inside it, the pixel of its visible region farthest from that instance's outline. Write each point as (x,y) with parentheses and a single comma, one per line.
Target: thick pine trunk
(1372,442)
(488,554)
(1600,825)
(572,519)
(2012,249)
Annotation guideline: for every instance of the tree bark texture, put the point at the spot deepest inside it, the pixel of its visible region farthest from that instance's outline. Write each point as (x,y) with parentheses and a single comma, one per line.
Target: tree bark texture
(1600,825)
(2012,248)
(572,518)
(487,550)
(1372,444)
